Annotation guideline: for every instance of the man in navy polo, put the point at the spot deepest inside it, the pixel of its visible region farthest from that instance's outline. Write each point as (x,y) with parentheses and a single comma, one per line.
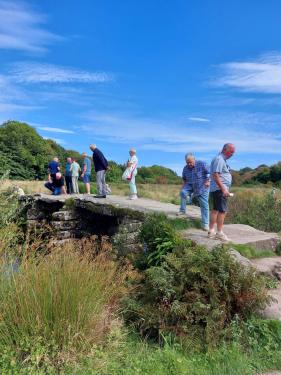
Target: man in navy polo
(53,168)
(101,165)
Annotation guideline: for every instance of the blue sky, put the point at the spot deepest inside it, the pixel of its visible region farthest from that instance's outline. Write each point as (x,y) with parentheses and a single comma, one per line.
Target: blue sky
(166,77)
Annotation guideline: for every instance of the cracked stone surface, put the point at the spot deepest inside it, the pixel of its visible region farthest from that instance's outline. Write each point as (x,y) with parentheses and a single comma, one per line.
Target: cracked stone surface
(273,311)
(141,204)
(238,234)
(267,265)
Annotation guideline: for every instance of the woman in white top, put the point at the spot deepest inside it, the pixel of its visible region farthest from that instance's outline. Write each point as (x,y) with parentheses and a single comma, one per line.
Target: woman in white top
(132,164)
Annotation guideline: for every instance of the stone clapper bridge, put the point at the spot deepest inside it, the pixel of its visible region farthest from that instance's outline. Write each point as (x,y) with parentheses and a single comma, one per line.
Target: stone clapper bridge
(77,216)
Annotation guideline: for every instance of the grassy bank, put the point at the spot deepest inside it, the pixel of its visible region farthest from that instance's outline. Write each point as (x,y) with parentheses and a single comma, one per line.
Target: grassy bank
(176,310)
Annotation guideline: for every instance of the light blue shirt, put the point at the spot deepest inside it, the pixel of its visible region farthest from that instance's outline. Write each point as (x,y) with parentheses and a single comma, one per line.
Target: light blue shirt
(87,162)
(219,165)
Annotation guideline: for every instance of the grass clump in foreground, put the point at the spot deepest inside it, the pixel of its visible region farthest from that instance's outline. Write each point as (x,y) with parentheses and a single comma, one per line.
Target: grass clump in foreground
(240,357)
(56,307)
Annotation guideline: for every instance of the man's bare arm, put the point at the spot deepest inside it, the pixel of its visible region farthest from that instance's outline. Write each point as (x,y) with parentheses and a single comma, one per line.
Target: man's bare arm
(220,184)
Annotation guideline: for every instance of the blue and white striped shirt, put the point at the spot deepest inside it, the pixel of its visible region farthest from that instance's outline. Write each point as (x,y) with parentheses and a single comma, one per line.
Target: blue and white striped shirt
(196,177)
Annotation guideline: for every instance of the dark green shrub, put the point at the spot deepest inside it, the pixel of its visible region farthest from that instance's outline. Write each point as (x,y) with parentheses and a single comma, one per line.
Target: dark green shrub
(159,238)
(194,288)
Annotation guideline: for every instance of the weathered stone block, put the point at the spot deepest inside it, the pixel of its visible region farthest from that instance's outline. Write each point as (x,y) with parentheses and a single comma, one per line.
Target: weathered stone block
(65,225)
(240,258)
(64,216)
(130,227)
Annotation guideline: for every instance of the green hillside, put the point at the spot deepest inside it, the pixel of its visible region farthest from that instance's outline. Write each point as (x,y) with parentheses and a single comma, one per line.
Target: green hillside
(25,154)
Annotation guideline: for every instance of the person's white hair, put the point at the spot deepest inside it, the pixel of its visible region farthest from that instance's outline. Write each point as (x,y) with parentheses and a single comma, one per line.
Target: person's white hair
(93,147)
(133,150)
(189,156)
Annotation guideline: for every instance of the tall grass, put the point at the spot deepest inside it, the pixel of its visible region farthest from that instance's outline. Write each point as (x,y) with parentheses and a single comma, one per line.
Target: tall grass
(163,193)
(65,300)
(260,210)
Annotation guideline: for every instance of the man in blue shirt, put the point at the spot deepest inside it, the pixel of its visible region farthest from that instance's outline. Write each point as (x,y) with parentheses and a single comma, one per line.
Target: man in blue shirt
(196,181)
(53,168)
(86,172)
(220,184)
(101,165)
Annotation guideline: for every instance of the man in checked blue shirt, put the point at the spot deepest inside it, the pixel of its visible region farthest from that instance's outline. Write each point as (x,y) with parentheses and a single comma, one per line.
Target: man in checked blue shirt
(196,181)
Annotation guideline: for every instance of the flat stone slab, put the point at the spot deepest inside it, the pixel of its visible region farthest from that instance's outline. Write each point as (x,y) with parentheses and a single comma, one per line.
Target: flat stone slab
(273,311)
(267,265)
(238,234)
(140,205)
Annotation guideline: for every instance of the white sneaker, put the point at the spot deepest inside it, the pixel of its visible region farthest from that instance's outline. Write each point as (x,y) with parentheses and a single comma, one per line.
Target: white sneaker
(133,197)
(205,228)
(211,234)
(181,213)
(222,237)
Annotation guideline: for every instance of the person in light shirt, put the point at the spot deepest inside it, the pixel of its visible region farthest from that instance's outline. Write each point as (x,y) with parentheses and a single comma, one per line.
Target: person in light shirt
(221,180)
(75,169)
(132,165)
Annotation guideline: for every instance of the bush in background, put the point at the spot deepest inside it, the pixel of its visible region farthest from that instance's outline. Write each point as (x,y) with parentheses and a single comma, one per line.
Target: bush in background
(260,211)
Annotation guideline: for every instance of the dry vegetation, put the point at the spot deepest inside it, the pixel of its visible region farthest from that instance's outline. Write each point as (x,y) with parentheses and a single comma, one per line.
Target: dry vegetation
(163,193)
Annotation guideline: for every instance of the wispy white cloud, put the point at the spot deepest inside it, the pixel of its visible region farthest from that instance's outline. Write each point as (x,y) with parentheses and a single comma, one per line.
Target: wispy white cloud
(30,72)
(21,28)
(260,75)
(252,133)
(198,119)
(10,108)
(54,130)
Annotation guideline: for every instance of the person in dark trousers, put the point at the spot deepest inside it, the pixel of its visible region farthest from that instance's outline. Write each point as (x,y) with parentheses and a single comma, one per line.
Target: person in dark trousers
(101,165)
(57,185)
(68,176)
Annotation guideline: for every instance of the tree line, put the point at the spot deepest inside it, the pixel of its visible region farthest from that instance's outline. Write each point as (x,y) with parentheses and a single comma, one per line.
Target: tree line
(25,154)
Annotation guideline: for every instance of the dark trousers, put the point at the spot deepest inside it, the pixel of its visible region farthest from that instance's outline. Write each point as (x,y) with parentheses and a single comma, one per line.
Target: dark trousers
(54,190)
(68,182)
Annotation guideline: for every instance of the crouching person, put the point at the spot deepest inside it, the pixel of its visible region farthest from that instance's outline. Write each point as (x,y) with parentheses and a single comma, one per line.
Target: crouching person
(196,181)
(56,184)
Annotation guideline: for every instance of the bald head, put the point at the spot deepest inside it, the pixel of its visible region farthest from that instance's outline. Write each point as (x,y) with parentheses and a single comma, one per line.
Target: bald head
(228,150)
